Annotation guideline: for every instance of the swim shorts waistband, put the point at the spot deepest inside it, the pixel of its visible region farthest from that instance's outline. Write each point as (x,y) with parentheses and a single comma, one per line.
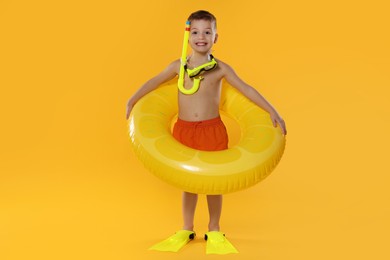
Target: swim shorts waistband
(208,122)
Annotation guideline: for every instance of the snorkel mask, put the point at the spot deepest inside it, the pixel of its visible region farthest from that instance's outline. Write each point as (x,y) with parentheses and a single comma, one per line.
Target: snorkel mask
(200,69)
(192,73)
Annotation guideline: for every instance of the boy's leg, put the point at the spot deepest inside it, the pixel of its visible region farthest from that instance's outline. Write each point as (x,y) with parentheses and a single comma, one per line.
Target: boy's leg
(215,208)
(216,240)
(175,242)
(189,205)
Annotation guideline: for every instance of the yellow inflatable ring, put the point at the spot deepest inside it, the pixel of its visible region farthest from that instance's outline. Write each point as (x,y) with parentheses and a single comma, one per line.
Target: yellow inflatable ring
(258,151)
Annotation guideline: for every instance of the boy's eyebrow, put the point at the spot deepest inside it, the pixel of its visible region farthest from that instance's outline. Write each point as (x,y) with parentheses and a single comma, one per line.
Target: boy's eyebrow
(194,28)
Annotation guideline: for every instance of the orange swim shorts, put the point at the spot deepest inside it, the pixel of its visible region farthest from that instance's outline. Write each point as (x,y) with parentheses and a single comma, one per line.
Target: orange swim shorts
(207,135)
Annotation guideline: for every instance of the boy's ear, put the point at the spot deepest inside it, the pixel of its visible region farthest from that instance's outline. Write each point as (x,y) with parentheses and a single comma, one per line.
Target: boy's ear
(216,38)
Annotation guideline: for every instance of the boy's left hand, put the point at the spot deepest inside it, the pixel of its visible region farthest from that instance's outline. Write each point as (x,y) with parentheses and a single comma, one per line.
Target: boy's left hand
(278,120)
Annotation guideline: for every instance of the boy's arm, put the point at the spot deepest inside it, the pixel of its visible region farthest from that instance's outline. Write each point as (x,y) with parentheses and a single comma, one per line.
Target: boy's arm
(233,79)
(167,74)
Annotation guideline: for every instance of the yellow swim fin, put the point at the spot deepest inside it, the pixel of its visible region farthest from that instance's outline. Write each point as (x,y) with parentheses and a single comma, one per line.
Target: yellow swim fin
(175,242)
(218,244)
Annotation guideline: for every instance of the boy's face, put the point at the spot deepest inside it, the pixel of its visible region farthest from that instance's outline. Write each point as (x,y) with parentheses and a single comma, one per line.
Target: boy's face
(203,35)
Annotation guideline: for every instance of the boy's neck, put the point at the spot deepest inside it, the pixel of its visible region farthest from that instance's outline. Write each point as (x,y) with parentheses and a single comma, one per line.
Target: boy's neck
(199,58)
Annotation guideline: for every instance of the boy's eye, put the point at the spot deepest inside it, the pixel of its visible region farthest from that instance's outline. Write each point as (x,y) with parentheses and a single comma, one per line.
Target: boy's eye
(196,32)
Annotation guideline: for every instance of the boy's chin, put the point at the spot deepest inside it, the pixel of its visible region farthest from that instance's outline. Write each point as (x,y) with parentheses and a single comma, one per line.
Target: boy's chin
(201,51)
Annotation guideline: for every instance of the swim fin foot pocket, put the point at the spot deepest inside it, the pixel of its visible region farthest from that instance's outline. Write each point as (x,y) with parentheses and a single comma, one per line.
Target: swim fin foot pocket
(218,244)
(175,242)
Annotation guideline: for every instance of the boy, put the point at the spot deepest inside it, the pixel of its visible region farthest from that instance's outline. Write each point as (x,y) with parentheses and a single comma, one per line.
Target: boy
(199,124)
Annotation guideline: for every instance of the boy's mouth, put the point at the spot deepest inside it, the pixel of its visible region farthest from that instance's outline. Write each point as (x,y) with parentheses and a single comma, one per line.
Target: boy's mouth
(201,44)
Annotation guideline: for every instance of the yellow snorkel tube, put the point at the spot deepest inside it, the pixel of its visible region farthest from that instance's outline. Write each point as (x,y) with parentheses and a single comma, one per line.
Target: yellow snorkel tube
(183,60)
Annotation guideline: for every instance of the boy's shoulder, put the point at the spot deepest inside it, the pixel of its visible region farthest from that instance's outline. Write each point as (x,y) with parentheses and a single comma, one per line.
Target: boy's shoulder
(175,63)
(221,63)
(226,68)
(174,66)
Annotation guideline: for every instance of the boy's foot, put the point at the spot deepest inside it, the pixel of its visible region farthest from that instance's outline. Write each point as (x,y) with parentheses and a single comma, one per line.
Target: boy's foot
(175,242)
(218,244)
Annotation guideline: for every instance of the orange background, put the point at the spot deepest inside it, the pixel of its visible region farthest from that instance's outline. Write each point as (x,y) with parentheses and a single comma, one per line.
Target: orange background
(71,188)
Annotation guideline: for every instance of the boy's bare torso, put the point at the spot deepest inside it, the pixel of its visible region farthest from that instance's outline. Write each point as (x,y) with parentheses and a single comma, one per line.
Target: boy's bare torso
(204,104)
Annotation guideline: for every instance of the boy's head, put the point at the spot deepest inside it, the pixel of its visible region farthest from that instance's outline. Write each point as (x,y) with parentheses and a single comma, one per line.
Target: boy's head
(203,15)
(203,31)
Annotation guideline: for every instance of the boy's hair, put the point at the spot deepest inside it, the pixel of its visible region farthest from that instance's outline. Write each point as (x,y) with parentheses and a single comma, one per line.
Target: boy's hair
(203,15)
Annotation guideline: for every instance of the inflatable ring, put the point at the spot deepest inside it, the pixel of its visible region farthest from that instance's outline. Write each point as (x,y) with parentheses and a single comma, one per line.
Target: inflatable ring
(243,165)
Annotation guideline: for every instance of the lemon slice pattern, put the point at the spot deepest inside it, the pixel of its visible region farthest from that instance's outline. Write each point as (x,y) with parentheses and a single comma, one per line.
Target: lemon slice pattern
(241,166)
